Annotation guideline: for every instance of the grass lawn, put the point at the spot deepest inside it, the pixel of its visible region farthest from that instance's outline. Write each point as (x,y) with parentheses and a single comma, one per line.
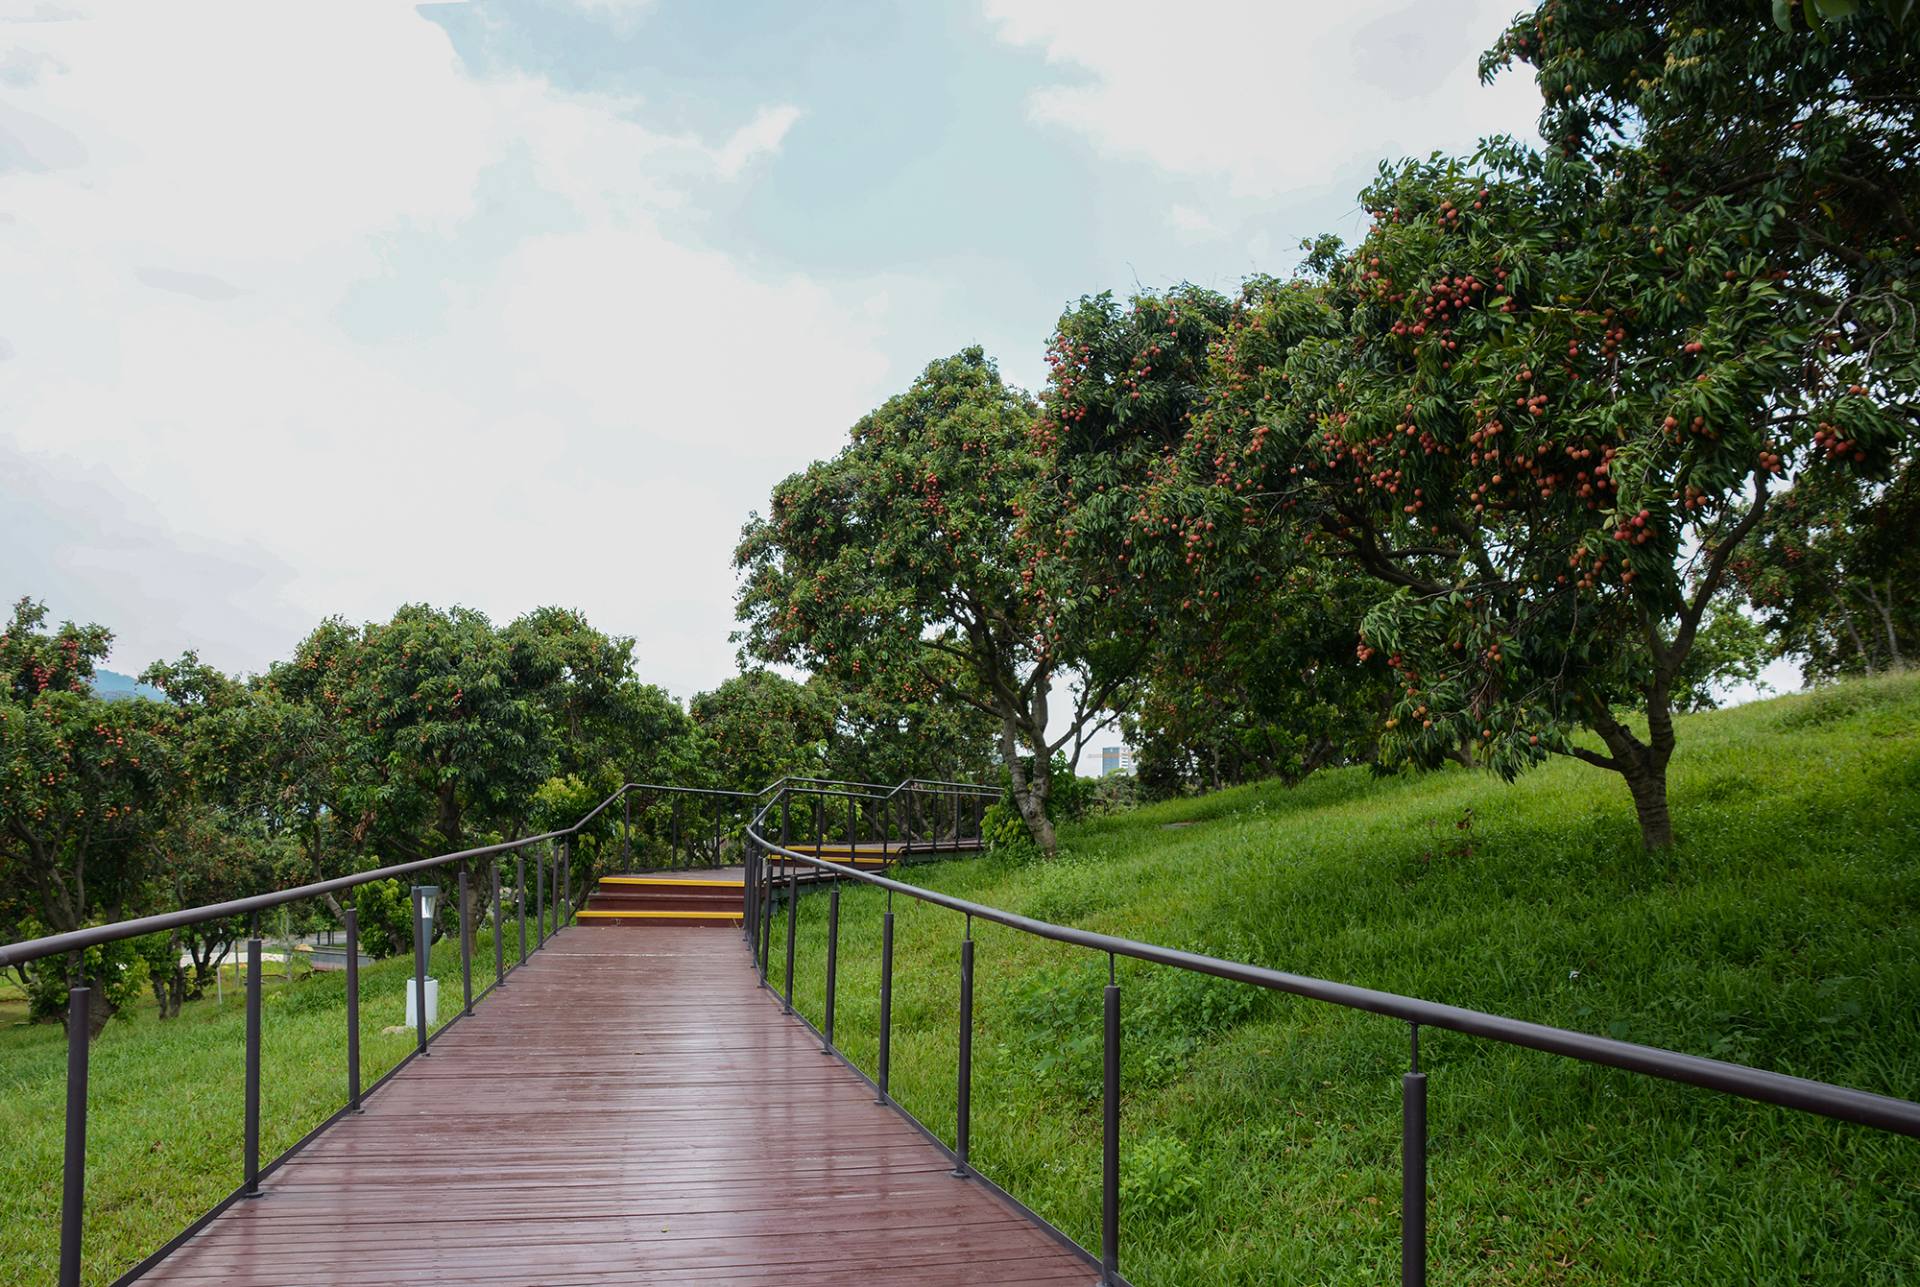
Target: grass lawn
(1260,1132)
(165,1103)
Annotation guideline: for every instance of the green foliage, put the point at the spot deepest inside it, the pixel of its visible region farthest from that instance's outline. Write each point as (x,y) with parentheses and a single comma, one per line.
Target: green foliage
(116,972)
(899,567)
(1158,1179)
(1833,568)
(84,782)
(760,727)
(385,912)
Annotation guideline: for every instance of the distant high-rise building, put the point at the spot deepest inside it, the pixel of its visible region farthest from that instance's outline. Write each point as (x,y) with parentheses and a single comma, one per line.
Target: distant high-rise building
(1115,759)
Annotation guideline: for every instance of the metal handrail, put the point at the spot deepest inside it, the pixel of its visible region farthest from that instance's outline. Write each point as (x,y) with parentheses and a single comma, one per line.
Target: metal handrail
(1882,1112)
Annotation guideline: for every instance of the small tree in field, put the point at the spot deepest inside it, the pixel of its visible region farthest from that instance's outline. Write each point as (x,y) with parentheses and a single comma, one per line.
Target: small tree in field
(898,568)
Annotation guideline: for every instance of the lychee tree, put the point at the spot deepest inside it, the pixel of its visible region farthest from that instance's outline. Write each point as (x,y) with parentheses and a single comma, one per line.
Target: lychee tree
(901,567)
(84,785)
(1545,403)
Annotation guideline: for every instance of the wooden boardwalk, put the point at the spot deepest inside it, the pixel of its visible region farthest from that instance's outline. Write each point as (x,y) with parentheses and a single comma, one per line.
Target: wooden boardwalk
(631,1108)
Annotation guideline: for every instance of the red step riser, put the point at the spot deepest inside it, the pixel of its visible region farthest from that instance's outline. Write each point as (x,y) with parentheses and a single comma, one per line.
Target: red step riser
(660,903)
(729,922)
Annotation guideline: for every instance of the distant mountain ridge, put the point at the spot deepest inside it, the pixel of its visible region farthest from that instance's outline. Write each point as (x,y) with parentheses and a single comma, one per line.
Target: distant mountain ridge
(116,687)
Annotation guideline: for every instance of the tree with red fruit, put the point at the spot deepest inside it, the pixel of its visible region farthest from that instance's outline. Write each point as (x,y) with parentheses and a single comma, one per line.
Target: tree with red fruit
(902,567)
(1545,403)
(84,784)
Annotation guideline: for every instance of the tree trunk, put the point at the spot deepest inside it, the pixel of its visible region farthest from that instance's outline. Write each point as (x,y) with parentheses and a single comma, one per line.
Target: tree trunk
(1029,792)
(450,815)
(1645,769)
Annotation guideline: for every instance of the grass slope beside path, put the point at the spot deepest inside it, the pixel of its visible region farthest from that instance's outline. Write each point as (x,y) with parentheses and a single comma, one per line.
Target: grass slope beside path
(165,1101)
(1261,1133)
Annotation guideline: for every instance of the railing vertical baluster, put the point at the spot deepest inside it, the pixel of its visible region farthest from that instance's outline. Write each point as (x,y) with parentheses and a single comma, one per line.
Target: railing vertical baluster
(793,917)
(748,890)
(421,932)
(1413,1175)
(766,915)
(626,828)
(853,826)
(499,938)
(565,910)
(520,898)
(963,1129)
(1110,1139)
(820,824)
(956,820)
(351,917)
(466,948)
(251,1116)
(540,899)
(833,960)
(73,1188)
(886,997)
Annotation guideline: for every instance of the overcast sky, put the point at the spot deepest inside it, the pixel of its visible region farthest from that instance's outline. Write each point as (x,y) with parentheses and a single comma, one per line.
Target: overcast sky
(323,311)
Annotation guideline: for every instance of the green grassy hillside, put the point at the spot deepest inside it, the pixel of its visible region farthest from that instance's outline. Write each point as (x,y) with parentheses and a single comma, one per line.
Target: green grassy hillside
(1262,1132)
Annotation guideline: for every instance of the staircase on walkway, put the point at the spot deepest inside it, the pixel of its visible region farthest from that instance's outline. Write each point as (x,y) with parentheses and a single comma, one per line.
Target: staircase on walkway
(716,898)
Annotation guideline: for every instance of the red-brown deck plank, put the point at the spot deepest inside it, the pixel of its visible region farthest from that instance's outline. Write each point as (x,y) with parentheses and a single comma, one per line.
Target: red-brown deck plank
(630,1109)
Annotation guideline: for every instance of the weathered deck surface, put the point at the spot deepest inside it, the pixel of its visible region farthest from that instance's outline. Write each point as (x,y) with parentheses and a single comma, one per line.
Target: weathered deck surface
(631,1108)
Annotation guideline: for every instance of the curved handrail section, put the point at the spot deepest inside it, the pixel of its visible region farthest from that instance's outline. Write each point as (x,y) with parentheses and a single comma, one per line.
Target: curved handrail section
(1839,1102)
(33,949)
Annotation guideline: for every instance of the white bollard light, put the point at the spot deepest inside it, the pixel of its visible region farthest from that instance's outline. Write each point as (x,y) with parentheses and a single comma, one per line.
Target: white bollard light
(433,1004)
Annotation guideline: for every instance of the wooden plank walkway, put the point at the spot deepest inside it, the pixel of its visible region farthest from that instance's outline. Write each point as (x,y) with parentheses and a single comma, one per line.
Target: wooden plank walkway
(629,1109)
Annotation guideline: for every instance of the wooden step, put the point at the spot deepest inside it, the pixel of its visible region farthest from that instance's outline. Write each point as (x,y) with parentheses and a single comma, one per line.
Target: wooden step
(651,900)
(688,917)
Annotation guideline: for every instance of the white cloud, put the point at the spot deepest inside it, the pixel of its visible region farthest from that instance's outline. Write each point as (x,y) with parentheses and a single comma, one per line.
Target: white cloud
(1270,97)
(1191,222)
(370,329)
(759,137)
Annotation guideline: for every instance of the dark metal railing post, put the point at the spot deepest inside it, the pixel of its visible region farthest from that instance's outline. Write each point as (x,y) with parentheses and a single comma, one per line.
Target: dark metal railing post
(352,919)
(420,931)
(1110,1140)
(820,825)
(540,900)
(251,1118)
(963,1128)
(565,910)
(766,915)
(886,998)
(1413,1174)
(499,938)
(520,899)
(626,832)
(748,889)
(833,959)
(853,826)
(73,1187)
(793,916)
(467,955)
